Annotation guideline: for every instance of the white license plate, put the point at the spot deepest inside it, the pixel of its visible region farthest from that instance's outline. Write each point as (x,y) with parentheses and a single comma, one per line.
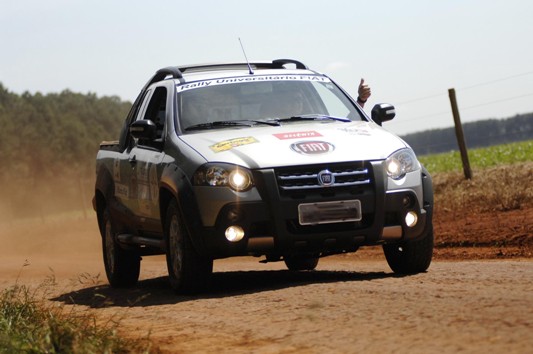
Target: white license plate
(329,212)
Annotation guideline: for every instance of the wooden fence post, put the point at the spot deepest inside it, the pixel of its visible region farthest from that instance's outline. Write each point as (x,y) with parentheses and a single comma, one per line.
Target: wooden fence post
(460,135)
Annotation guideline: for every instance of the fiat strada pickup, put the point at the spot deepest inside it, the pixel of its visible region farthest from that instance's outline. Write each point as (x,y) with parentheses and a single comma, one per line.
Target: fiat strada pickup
(268,159)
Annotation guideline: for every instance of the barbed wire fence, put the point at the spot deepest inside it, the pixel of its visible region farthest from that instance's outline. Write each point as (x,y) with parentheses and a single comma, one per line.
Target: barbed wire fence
(443,95)
(470,87)
(433,145)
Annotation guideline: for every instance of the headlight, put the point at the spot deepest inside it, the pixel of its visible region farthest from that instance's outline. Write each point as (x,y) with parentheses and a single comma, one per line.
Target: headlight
(240,180)
(222,175)
(400,163)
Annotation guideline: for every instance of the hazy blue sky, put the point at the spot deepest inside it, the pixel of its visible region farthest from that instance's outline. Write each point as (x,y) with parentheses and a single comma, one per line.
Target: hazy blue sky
(406,50)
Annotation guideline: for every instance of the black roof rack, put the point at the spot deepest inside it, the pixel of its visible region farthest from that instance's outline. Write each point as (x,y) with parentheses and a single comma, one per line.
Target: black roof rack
(171,70)
(275,64)
(279,63)
(161,74)
(176,72)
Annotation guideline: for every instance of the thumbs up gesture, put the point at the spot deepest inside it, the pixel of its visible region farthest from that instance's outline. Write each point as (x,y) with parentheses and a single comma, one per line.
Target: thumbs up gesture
(364,92)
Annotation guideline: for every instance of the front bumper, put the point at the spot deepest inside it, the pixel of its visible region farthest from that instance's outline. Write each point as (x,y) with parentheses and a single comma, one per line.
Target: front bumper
(269,218)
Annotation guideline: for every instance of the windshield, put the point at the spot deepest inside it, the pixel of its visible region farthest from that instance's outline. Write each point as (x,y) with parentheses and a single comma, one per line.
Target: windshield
(247,101)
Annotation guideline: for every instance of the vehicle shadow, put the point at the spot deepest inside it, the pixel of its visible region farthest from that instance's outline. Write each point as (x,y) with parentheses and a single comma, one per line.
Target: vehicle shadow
(157,291)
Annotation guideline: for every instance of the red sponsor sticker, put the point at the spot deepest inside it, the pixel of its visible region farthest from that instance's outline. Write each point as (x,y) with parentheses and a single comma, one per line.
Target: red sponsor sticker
(297,135)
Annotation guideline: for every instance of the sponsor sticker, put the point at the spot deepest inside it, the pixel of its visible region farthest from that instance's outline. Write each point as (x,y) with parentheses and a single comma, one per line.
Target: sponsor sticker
(121,190)
(356,131)
(230,144)
(315,147)
(298,135)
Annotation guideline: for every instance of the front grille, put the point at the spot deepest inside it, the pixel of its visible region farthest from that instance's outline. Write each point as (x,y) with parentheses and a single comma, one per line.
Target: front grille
(342,175)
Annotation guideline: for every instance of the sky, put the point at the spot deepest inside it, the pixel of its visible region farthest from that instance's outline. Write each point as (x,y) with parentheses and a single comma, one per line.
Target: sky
(410,52)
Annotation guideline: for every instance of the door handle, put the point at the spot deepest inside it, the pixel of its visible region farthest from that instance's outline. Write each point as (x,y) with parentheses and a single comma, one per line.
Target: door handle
(132,160)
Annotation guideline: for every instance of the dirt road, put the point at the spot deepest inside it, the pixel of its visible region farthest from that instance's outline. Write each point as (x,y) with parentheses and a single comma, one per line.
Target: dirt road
(349,305)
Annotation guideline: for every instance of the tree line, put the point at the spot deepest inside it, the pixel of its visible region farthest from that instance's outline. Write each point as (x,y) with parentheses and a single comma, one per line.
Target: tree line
(477,134)
(48,143)
(43,134)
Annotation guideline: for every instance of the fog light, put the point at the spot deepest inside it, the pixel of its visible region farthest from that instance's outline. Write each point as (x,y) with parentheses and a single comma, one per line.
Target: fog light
(411,219)
(234,233)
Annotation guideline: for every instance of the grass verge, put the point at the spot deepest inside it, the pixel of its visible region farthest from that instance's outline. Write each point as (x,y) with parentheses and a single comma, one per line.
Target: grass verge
(29,325)
(502,176)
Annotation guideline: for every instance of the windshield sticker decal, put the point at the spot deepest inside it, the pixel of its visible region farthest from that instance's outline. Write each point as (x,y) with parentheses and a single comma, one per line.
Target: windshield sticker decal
(244,79)
(312,147)
(297,135)
(230,144)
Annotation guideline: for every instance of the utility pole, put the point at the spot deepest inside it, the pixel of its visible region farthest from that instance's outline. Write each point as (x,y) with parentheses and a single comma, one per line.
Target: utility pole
(460,135)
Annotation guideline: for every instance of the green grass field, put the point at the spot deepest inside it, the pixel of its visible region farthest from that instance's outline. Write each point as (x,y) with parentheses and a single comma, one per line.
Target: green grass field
(482,158)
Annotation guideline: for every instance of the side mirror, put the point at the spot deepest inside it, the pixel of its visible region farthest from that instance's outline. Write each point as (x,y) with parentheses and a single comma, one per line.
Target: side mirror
(143,129)
(383,112)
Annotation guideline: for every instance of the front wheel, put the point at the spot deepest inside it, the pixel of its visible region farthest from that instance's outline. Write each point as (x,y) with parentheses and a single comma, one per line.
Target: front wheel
(301,262)
(188,271)
(122,267)
(410,257)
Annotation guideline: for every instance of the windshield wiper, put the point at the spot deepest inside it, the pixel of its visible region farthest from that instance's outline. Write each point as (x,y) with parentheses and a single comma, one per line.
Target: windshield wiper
(219,124)
(271,122)
(314,117)
(231,123)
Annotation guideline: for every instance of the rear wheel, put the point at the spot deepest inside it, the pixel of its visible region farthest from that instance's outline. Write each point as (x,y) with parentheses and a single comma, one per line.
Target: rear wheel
(301,262)
(188,271)
(122,267)
(410,257)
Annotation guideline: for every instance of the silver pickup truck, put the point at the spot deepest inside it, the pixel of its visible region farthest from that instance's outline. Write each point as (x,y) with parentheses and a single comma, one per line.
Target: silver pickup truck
(266,159)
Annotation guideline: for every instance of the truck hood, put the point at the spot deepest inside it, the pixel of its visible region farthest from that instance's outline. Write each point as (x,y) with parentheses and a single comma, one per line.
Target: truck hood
(295,144)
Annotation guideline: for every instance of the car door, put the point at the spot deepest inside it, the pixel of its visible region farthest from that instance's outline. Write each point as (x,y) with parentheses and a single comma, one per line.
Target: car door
(124,204)
(145,159)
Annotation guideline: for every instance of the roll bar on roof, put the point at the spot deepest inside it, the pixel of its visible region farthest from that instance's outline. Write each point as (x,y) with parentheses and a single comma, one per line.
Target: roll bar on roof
(176,72)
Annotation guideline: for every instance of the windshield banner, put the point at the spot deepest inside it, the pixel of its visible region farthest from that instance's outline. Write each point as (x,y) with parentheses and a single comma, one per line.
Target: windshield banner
(246,79)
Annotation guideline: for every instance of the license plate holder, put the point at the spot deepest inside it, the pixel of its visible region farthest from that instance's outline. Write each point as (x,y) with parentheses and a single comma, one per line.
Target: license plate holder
(329,212)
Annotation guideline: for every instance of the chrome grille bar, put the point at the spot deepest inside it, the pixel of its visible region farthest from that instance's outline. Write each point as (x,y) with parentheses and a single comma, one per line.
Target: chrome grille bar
(307,179)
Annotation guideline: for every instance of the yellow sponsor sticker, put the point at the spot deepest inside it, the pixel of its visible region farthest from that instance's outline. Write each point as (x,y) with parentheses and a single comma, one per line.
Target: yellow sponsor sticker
(230,144)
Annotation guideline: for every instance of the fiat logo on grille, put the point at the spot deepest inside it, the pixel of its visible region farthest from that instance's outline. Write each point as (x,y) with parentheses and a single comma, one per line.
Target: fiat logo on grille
(326,178)
(312,147)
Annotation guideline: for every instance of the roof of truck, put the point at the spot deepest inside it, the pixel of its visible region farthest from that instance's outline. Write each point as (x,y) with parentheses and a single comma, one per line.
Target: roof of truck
(194,72)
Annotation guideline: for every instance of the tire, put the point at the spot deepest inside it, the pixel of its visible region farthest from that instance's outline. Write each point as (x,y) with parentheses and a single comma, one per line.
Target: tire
(301,262)
(410,257)
(188,272)
(122,267)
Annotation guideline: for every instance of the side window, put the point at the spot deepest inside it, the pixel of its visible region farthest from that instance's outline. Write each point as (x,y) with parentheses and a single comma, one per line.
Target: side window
(126,140)
(144,103)
(156,110)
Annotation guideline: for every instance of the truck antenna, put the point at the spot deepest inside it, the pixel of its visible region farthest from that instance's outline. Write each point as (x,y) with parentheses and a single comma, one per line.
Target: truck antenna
(245,57)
